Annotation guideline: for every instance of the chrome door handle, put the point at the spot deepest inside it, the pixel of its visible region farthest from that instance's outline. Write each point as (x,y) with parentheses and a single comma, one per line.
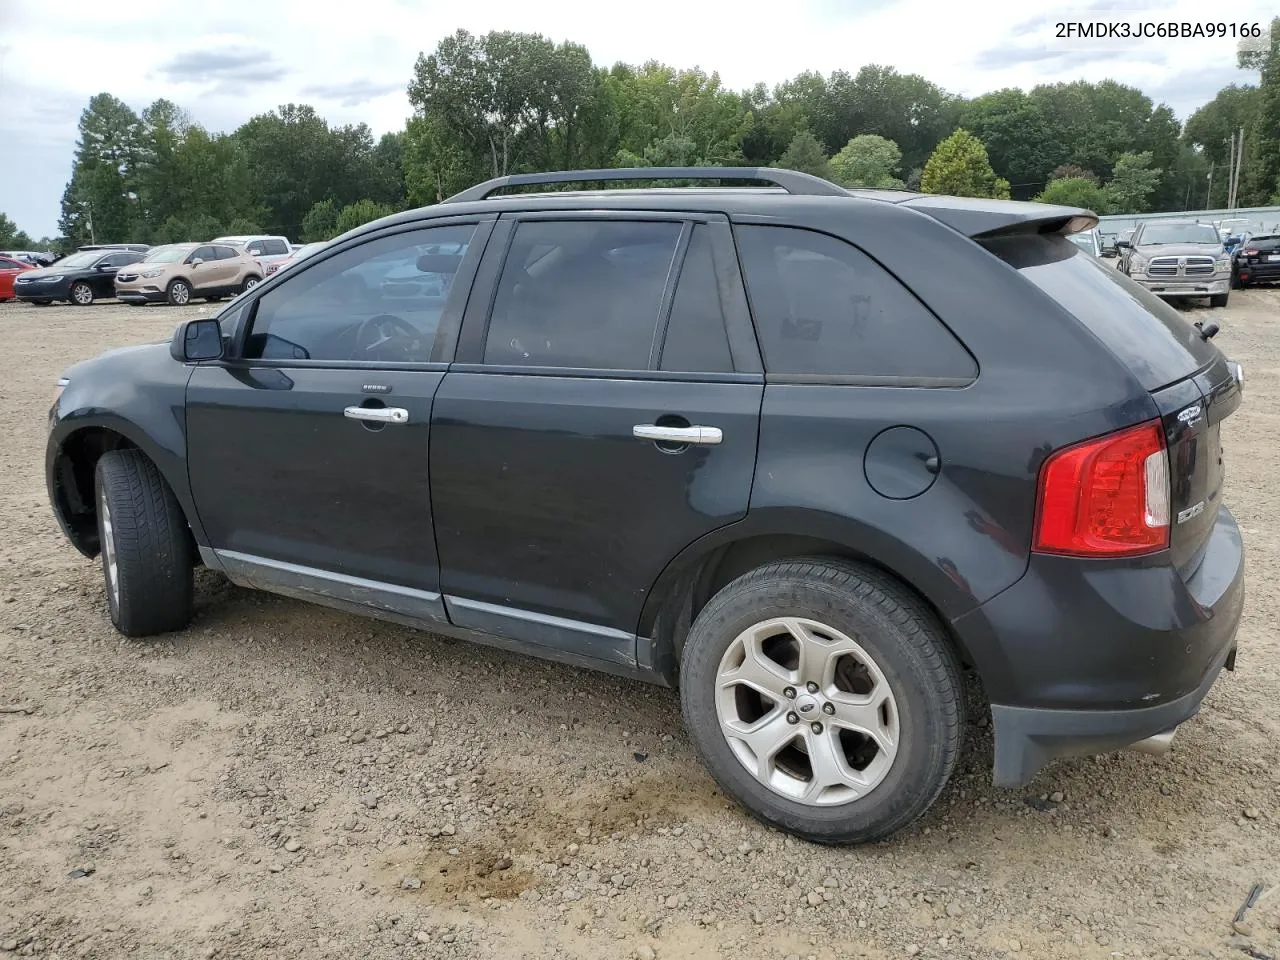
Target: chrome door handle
(377,414)
(651,431)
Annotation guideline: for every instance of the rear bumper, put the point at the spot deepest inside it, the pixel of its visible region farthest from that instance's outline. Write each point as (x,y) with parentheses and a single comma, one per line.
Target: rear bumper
(1258,272)
(1082,657)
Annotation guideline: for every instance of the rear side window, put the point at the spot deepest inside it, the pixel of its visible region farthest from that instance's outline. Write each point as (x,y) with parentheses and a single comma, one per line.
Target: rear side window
(1144,332)
(696,341)
(582,293)
(824,308)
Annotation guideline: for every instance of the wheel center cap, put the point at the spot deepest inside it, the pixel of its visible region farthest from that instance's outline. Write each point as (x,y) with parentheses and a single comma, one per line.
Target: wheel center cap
(806,704)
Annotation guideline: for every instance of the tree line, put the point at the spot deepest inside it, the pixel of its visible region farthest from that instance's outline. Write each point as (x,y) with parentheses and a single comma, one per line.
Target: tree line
(485,106)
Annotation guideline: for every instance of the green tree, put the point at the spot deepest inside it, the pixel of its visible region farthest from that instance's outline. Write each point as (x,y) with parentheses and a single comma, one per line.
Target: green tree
(1133,180)
(1076,192)
(1069,171)
(11,238)
(243,226)
(1019,143)
(99,201)
(321,222)
(436,165)
(1260,173)
(1210,129)
(867,160)
(960,167)
(358,214)
(807,155)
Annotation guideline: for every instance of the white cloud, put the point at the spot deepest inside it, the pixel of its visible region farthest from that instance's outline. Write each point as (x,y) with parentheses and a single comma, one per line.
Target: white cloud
(353,63)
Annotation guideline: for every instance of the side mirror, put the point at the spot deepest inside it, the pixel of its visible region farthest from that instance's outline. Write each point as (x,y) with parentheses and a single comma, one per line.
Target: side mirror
(195,261)
(1123,244)
(199,339)
(106,268)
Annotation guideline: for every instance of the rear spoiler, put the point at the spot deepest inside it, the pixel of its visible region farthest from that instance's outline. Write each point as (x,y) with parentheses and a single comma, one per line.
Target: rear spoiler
(981,218)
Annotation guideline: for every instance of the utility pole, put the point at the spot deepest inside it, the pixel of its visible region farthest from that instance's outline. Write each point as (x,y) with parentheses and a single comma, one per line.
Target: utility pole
(1231,171)
(1208,197)
(89,207)
(1235,195)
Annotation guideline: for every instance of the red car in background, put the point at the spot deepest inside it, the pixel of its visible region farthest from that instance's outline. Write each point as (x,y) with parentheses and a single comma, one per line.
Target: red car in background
(10,268)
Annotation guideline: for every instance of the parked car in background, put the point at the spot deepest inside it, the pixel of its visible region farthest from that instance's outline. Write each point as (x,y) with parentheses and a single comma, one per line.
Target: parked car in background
(36,258)
(265,249)
(1234,226)
(81,278)
(177,272)
(272,267)
(10,267)
(135,247)
(1174,258)
(734,441)
(1257,260)
(1089,241)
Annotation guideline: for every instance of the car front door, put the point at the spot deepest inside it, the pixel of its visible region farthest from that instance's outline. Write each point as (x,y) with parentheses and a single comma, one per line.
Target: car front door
(103,278)
(600,416)
(307,445)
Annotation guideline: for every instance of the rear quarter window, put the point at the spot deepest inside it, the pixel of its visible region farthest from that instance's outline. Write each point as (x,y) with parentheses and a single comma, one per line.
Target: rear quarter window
(824,309)
(1146,334)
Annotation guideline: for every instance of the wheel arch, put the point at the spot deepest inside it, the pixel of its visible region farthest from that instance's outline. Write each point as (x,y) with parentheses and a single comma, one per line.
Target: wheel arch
(708,564)
(72,459)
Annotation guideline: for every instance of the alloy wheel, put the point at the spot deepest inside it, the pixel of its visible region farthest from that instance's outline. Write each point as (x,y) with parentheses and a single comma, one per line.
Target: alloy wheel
(807,711)
(109,551)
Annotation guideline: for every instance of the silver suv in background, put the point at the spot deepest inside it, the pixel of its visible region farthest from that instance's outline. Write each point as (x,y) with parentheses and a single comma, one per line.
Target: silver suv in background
(265,249)
(1178,259)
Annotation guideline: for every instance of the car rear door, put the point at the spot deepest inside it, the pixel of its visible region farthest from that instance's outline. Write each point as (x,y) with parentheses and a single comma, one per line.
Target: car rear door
(308,445)
(601,415)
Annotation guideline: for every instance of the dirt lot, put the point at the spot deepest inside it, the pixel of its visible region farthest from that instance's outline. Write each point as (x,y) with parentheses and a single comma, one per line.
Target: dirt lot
(285,781)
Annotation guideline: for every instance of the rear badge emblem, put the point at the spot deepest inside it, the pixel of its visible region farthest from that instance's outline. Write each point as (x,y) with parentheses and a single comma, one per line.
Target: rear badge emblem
(1187,514)
(1190,415)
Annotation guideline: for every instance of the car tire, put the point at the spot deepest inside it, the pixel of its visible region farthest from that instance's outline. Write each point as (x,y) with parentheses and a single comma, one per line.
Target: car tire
(81,294)
(1220,300)
(145,546)
(250,282)
(179,293)
(866,629)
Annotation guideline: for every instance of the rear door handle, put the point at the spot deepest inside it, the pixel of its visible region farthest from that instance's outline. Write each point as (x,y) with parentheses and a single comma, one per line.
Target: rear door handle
(377,414)
(651,431)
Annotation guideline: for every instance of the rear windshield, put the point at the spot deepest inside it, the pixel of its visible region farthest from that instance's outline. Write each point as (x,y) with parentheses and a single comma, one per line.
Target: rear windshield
(1268,242)
(1145,333)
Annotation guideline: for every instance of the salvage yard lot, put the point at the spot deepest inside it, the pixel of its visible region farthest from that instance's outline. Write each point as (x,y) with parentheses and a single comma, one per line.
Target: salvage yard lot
(285,780)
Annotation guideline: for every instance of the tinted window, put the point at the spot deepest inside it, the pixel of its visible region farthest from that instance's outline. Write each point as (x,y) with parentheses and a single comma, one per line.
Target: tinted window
(254,248)
(823,307)
(11,265)
(226,253)
(379,301)
(696,339)
(203,253)
(1143,331)
(273,247)
(122,259)
(581,294)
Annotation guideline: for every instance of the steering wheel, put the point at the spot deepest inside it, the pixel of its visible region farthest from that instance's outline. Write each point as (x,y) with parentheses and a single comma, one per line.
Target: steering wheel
(376,332)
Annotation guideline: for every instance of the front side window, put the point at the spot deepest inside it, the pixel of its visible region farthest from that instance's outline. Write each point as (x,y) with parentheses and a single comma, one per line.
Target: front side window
(581,293)
(274,248)
(822,307)
(226,253)
(202,253)
(378,301)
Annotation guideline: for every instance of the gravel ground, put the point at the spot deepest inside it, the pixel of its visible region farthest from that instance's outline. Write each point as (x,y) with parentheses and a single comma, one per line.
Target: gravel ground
(281,780)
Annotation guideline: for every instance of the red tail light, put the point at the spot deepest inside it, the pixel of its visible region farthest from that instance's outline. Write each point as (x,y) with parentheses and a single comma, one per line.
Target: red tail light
(1107,497)
(1250,252)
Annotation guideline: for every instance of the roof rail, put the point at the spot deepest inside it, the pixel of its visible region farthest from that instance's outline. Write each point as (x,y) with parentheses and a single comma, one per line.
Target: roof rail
(792,181)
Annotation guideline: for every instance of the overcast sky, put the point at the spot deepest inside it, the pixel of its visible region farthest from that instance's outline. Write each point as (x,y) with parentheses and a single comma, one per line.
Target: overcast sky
(226,62)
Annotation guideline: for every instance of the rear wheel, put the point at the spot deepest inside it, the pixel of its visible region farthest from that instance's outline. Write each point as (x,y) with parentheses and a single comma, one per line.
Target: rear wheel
(1220,300)
(81,294)
(179,293)
(825,698)
(146,549)
(250,282)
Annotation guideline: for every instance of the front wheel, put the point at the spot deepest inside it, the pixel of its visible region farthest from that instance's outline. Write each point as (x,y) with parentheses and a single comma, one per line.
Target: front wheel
(1219,300)
(179,293)
(825,698)
(145,545)
(81,294)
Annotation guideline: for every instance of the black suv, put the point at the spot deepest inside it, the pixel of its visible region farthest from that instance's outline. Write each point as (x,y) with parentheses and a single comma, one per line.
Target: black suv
(803,451)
